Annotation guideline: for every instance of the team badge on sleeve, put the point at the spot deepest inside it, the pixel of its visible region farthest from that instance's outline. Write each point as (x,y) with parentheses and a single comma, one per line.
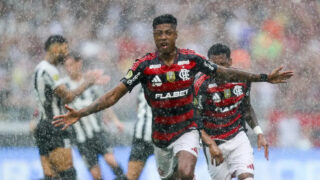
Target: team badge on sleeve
(56,77)
(171,76)
(129,74)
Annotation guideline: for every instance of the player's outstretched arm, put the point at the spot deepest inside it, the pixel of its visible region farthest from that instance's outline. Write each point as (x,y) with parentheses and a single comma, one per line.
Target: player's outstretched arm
(234,75)
(91,77)
(105,101)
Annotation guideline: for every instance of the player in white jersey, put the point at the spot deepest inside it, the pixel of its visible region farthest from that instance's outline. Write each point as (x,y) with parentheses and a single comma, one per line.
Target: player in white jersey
(88,133)
(142,146)
(53,144)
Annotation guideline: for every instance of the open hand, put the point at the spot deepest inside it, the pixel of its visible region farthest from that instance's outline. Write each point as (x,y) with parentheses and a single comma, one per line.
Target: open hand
(66,120)
(277,76)
(216,154)
(262,142)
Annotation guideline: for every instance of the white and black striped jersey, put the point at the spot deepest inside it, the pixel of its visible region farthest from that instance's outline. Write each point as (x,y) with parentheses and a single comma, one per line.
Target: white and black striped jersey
(88,126)
(143,127)
(45,81)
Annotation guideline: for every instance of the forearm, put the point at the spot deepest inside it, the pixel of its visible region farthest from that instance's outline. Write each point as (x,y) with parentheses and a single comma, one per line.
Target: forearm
(206,139)
(105,101)
(235,75)
(77,92)
(251,118)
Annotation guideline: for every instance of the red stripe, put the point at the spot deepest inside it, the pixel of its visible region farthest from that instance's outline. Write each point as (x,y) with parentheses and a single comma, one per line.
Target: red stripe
(221,115)
(170,86)
(226,102)
(174,119)
(199,82)
(147,57)
(225,86)
(170,103)
(227,134)
(211,125)
(191,52)
(168,136)
(164,69)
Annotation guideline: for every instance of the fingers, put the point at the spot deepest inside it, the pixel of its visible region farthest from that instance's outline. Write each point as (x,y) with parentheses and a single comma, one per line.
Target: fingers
(58,117)
(68,107)
(266,151)
(65,126)
(58,123)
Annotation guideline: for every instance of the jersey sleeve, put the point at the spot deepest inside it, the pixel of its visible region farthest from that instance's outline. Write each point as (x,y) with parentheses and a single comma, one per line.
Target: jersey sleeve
(205,66)
(52,77)
(134,75)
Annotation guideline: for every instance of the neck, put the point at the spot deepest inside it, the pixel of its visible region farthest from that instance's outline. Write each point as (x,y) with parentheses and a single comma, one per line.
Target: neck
(50,59)
(168,58)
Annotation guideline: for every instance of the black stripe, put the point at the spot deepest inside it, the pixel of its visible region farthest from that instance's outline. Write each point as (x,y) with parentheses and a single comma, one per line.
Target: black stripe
(48,93)
(44,73)
(36,81)
(167,112)
(219,131)
(163,128)
(222,120)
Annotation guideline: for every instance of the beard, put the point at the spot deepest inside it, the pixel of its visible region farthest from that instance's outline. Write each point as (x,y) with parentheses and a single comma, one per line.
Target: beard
(60,59)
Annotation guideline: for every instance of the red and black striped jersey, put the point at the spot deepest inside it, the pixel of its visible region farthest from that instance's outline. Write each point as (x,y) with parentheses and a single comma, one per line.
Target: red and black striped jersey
(169,91)
(221,106)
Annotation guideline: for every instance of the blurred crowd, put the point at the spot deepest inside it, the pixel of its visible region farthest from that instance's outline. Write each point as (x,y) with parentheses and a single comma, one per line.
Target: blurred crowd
(111,34)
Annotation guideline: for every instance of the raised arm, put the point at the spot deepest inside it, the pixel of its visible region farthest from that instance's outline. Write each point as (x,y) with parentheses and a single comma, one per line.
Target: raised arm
(234,75)
(68,96)
(105,101)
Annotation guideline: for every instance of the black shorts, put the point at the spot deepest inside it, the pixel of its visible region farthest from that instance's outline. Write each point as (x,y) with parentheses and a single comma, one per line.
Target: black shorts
(49,137)
(92,148)
(140,150)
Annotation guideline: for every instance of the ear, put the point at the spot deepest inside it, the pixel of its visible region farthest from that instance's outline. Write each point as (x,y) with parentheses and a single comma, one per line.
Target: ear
(230,61)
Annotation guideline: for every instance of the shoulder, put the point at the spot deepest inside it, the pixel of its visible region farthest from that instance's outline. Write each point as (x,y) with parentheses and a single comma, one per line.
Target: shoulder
(192,53)
(145,58)
(199,81)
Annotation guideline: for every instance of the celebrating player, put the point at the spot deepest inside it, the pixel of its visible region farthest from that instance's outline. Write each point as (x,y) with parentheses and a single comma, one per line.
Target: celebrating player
(167,76)
(224,108)
(53,144)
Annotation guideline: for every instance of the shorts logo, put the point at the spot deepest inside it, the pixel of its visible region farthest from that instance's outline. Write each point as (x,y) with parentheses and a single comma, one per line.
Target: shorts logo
(171,76)
(195,150)
(129,74)
(251,166)
(184,74)
(156,81)
(237,90)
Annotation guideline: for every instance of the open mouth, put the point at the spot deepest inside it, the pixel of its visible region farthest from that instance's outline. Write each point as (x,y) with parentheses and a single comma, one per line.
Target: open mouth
(164,45)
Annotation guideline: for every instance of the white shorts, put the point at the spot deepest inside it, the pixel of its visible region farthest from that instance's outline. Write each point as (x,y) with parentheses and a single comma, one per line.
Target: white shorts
(166,157)
(238,158)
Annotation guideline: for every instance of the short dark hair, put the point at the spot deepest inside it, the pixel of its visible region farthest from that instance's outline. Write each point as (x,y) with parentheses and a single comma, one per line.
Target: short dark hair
(54,39)
(218,49)
(164,19)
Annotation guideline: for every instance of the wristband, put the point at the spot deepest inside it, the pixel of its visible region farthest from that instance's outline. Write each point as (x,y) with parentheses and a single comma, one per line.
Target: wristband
(257,130)
(264,77)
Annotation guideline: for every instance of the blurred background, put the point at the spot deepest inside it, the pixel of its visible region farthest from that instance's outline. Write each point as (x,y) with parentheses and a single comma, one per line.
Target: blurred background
(111,34)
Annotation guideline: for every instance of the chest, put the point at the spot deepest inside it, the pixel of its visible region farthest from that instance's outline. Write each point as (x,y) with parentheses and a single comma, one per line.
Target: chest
(226,92)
